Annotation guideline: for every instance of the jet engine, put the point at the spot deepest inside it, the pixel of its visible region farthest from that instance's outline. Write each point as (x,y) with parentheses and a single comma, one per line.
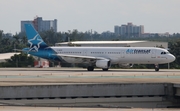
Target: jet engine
(103,63)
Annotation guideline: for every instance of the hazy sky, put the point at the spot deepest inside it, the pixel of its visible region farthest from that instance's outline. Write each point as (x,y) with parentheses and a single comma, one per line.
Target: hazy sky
(99,15)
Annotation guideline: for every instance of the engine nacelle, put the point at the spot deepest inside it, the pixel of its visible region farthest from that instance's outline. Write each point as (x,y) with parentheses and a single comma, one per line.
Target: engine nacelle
(103,63)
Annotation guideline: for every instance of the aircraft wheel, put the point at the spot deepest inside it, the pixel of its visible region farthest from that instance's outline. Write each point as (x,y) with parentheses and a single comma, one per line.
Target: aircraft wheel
(156,67)
(90,68)
(105,69)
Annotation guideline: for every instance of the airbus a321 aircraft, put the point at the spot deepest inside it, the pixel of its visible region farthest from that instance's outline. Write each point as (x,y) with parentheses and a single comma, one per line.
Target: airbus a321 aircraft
(101,57)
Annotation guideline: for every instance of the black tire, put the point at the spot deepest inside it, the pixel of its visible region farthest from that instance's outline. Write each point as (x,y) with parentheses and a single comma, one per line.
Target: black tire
(105,69)
(156,67)
(90,68)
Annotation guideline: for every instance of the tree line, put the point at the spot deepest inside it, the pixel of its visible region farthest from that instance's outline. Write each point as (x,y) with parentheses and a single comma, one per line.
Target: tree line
(19,41)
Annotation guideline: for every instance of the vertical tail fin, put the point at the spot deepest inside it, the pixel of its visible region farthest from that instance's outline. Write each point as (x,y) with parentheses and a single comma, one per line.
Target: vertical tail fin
(34,39)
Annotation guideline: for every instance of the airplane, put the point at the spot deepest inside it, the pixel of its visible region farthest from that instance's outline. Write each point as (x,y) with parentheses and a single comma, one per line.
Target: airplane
(101,57)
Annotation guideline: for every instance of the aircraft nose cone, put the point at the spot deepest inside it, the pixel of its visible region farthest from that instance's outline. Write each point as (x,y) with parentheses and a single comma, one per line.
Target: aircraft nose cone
(172,58)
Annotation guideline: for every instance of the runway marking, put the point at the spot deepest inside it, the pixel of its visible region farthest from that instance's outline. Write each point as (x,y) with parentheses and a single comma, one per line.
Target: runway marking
(84,76)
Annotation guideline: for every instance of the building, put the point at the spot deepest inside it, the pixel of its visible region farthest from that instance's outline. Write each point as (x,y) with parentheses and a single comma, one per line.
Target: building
(39,62)
(129,30)
(41,25)
(156,34)
(114,44)
(107,34)
(4,56)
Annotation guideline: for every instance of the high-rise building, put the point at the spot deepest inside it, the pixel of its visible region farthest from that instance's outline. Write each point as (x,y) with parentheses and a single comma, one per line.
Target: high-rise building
(41,25)
(116,30)
(129,30)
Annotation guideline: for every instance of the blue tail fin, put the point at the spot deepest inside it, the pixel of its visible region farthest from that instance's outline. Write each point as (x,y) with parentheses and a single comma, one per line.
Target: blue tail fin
(34,39)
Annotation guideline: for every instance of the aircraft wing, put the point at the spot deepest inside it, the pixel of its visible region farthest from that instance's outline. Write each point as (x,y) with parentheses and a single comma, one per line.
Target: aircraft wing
(80,58)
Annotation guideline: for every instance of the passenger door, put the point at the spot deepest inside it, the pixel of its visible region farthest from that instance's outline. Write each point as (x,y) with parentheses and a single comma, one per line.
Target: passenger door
(122,54)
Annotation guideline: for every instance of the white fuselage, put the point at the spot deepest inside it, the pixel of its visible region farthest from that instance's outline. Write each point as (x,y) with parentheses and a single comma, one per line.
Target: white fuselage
(118,55)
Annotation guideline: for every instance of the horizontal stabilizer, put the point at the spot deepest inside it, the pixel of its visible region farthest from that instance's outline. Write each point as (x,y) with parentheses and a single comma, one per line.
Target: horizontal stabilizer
(18,50)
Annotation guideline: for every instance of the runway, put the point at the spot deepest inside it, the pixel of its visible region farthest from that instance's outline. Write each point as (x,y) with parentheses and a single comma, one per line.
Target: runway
(14,108)
(40,76)
(100,85)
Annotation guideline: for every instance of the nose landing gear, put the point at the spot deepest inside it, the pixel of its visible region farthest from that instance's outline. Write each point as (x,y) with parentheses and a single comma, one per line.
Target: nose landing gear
(156,66)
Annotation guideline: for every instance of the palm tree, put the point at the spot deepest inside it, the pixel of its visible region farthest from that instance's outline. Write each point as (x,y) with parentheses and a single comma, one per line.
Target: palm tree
(1,33)
(24,40)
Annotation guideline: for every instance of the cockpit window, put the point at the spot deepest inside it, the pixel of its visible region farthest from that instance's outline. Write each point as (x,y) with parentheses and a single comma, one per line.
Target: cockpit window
(164,52)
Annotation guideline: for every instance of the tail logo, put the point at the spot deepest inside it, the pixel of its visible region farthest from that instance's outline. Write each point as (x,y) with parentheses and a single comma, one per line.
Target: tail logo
(35,43)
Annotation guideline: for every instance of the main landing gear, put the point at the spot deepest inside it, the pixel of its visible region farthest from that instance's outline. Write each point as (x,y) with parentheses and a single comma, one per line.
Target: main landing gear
(90,68)
(105,69)
(156,66)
